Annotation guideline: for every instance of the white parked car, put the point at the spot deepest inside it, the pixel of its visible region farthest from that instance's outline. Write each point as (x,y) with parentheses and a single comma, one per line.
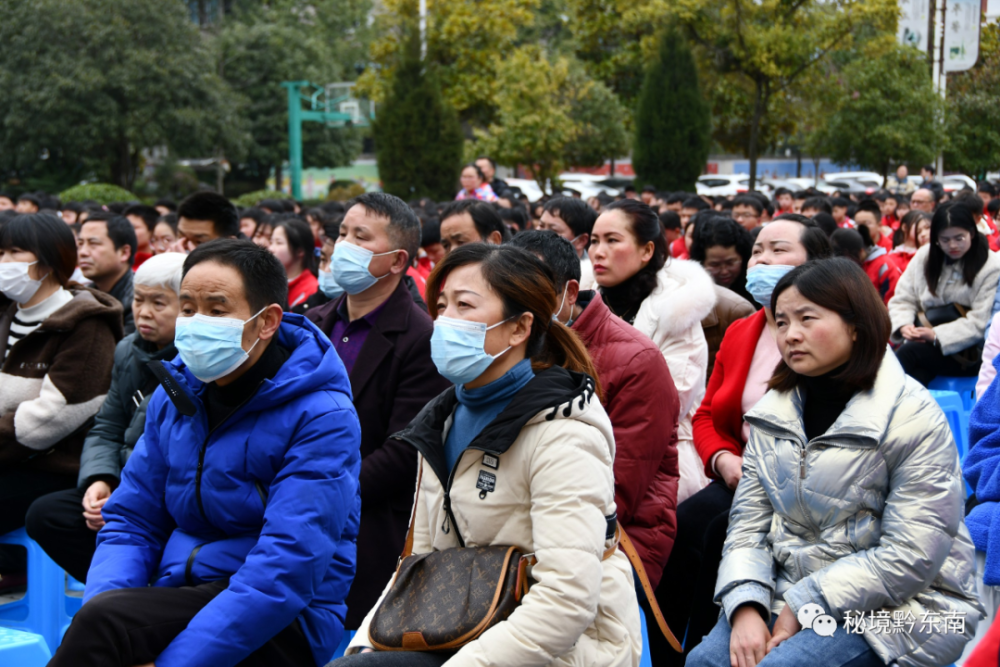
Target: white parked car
(722,185)
(956,182)
(867,178)
(588,185)
(527,186)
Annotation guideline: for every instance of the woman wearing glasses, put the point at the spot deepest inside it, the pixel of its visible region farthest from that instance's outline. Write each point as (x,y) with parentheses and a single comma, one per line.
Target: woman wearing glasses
(944,298)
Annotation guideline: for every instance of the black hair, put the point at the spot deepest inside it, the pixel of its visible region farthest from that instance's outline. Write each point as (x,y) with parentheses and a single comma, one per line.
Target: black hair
(479,172)
(488,159)
(721,230)
(45,236)
(300,239)
(404,227)
(813,238)
(576,213)
(649,187)
(697,203)
(930,168)
(168,204)
(168,219)
(934,193)
(264,280)
(871,206)
(34,199)
(987,187)
(782,191)
(257,215)
(214,207)
(751,201)
(825,222)
(677,198)
(516,216)
(670,220)
(972,202)
(484,217)
(645,227)
(840,202)
(840,285)
(801,195)
(818,203)
(558,253)
(271,205)
(148,214)
(430,233)
(954,215)
(120,231)
(848,243)
(993,208)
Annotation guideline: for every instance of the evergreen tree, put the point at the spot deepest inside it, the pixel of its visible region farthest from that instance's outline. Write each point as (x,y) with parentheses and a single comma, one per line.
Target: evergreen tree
(672,124)
(418,139)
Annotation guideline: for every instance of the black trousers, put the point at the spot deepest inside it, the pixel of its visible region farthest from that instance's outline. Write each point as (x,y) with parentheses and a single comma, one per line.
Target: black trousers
(56,522)
(687,588)
(393,659)
(924,362)
(18,489)
(132,626)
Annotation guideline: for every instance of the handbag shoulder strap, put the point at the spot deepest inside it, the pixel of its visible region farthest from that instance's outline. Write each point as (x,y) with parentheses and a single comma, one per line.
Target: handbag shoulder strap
(408,545)
(633,556)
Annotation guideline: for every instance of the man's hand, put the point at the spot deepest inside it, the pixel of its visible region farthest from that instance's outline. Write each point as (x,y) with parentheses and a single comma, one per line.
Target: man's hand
(785,627)
(730,468)
(749,639)
(181,245)
(148,664)
(93,500)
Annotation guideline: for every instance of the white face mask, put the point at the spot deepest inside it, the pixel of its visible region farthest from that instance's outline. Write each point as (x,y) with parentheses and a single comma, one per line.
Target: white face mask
(16,284)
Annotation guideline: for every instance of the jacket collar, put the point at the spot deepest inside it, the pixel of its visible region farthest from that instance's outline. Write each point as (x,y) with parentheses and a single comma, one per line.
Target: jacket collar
(591,319)
(393,318)
(86,303)
(863,423)
(553,393)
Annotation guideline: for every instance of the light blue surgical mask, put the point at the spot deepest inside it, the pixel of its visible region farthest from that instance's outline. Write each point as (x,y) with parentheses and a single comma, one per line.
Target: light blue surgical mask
(212,347)
(555,315)
(457,349)
(350,267)
(762,279)
(328,286)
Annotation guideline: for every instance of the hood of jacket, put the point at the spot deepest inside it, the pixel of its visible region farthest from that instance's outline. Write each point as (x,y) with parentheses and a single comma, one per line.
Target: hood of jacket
(684,295)
(308,369)
(554,393)
(87,302)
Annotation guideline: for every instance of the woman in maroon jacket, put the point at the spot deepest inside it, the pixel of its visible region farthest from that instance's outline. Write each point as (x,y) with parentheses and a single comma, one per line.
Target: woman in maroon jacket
(744,364)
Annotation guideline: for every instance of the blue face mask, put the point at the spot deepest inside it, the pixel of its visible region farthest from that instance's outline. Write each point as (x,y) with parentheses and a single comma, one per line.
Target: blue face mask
(762,279)
(212,347)
(328,286)
(350,267)
(457,349)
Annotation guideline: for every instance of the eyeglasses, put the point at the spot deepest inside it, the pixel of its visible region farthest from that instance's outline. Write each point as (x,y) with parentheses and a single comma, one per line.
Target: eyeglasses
(959,239)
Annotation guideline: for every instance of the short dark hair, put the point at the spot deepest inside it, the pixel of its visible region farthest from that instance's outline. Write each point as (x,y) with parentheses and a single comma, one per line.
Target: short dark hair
(993,208)
(840,202)
(987,187)
(813,238)
(670,220)
(404,227)
(555,251)
(214,207)
(272,205)
(483,215)
(479,171)
(800,195)
(930,168)
(34,199)
(840,285)
(649,187)
(818,203)
(168,204)
(825,222)
(848,243)
(120,231)
(148,214)
(934,192)
(168,219)
(45,236)
(751,201)
(871,206)
(256,265)
(515,215)
(677,198)
(782,191)
(719,230)
(972,202)
(576,213)
(488,159)
(430,233)
(257,215)
(696,202)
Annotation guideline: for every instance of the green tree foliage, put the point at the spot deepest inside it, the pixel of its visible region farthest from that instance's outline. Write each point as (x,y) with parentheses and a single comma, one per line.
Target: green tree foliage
(418,139)
(102,193)
(546,116)
(259,45)
(973,111)
(887,112)
(89,84)
(253,198)
(672,124)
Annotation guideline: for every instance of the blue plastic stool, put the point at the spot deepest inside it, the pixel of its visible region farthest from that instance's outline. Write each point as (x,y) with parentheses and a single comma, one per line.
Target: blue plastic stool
(645,660)
(958,420)
(348,636)
(45,609)
(23,649)
(964,387)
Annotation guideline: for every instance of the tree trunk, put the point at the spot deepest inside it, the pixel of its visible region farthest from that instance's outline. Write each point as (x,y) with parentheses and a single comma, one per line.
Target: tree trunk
(798,163)
(759,102)
(277,177)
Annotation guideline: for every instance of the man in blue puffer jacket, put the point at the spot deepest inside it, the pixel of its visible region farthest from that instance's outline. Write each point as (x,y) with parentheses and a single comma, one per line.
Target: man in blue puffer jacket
(231,539)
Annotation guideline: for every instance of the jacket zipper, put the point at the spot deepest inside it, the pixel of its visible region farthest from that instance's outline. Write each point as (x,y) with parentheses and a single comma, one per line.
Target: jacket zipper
(449,514)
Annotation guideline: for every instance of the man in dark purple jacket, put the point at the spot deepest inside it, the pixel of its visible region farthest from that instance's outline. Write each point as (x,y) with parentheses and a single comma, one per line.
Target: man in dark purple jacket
(383,338)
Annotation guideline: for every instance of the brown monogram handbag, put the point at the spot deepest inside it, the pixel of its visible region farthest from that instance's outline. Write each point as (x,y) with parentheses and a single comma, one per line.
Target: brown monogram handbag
(442,600)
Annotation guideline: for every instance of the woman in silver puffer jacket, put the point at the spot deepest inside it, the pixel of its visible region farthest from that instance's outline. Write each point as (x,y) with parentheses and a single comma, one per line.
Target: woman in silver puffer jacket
(851,499)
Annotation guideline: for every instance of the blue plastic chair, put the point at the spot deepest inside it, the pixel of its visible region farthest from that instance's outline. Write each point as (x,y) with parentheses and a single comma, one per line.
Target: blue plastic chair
(45,609)
(23,649)
(958,420)
(645,660)
(339,653)
(964,387)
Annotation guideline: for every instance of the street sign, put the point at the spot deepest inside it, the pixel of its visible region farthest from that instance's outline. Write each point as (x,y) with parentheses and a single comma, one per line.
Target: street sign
(914,19)
(961,35)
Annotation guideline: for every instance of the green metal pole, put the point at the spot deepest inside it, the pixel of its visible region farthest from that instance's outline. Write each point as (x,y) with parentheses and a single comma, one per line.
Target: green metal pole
(294,136)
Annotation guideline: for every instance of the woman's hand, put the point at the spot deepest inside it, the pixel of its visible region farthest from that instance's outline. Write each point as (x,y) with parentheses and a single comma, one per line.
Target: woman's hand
(749,639)
(93,500)
(908,332)
(730,468)
(924,334)
(786,626)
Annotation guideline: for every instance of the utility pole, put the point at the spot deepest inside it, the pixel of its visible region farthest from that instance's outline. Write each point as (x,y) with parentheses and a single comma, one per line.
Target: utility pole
(940,77)
(423,30)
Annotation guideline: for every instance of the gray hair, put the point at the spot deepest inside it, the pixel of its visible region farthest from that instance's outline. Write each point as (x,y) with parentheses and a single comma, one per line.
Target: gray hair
(164,270)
